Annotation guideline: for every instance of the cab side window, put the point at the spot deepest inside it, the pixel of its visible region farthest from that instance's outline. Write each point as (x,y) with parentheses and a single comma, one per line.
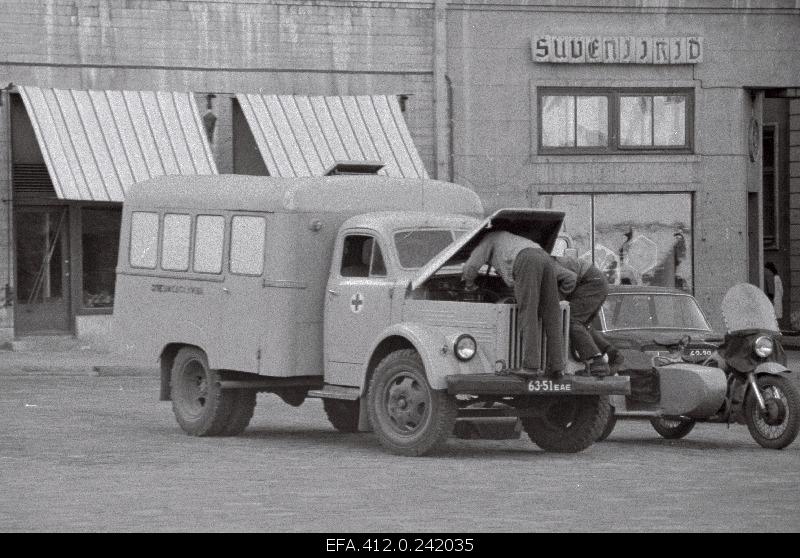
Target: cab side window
(362,257)
(247,245)
(144,239)
(209,238)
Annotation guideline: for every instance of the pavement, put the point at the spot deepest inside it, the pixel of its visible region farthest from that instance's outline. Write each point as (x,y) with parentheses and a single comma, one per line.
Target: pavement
(86,361)
(78,361)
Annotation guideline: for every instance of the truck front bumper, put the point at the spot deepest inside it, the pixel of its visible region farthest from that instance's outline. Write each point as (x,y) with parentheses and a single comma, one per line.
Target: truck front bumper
(493,384)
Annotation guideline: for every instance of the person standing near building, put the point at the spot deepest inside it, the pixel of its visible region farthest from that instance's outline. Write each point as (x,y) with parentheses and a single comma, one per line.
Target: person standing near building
(525,266)
(585,288)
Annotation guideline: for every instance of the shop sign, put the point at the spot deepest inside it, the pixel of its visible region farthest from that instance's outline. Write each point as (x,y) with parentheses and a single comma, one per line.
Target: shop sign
(563,49)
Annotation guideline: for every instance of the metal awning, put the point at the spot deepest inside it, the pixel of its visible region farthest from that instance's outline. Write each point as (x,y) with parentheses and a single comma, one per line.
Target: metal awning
(305,136)
(97,143)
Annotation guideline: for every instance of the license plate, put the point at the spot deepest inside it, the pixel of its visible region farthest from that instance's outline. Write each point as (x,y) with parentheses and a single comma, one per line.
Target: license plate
(536,386)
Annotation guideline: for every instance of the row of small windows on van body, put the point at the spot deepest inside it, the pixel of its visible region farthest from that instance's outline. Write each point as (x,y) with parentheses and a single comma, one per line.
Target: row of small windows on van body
(174,230)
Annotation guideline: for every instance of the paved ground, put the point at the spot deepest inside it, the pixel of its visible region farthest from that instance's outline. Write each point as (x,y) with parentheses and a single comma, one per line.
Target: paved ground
(100,453)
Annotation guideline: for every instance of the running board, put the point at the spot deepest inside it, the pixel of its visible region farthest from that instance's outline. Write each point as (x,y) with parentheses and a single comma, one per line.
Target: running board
(336,392)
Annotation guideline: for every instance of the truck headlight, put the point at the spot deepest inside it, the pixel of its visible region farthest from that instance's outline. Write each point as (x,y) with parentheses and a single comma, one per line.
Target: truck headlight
(465,347)
(763,346)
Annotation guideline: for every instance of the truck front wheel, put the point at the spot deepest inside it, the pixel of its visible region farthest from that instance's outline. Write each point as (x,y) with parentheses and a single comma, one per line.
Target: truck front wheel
(568,424)
(408,416)
(200,406)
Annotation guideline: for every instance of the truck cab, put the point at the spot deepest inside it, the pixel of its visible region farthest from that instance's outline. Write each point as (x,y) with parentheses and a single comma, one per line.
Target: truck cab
(342,288)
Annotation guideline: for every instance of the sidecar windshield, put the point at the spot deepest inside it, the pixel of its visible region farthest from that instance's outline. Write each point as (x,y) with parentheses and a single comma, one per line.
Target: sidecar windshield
(623,311)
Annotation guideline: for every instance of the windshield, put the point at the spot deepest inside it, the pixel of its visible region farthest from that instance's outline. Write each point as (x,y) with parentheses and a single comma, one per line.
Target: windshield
(415,248)
(652,311)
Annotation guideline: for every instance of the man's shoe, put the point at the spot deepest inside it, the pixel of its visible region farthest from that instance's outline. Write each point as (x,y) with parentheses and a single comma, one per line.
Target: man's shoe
(599,368)
(615,358)
(556,375)
(529,373)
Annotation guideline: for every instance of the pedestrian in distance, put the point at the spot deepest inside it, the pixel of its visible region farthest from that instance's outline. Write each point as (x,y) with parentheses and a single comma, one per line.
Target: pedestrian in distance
(524,265)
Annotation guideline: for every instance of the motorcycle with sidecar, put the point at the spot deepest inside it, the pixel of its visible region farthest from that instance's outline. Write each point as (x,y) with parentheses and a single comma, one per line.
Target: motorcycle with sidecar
(745,380)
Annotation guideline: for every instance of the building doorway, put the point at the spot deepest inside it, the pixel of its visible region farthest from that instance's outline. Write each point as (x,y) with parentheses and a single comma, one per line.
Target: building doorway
(42,270)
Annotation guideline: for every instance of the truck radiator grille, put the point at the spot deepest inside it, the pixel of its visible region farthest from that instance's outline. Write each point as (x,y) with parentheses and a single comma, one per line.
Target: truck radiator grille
(515,346)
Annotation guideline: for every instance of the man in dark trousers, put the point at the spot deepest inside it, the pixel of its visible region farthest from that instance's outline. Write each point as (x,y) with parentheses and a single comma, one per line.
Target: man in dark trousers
(525,266)
(585,288)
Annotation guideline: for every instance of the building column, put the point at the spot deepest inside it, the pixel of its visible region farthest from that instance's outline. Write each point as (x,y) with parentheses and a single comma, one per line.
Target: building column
(6,240)
(794,209)
(441,116)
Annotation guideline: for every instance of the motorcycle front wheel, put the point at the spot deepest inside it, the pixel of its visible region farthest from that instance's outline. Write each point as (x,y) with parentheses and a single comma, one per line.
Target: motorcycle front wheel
(778,425)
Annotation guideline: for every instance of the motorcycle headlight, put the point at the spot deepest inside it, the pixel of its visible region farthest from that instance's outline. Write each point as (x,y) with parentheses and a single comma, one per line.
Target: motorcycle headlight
(763,346)
(465,347)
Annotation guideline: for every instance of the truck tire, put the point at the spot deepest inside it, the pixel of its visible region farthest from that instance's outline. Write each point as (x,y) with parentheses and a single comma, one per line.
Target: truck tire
(200,406)
(408,416)
(672,428)
(343,415)
(779,426)
(568,424)
(609,428)
(241,412)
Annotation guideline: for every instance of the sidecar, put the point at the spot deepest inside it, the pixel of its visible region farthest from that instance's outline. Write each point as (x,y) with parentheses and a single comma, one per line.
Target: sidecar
(664,338)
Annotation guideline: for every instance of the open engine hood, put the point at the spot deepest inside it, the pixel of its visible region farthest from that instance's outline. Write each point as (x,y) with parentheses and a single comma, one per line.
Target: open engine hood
(540,225)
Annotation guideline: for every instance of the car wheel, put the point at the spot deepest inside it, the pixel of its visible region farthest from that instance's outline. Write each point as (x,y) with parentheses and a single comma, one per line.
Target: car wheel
(568,424)
(672,428)
(407,415)
(200,406)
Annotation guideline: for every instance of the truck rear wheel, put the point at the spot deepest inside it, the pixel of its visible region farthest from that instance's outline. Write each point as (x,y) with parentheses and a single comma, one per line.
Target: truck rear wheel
(200,406)
(242,409)
(408,416)
(343,415)
(568,424)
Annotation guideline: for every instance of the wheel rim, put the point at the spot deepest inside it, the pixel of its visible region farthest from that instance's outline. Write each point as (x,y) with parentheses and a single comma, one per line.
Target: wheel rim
(407,403)
(772,423)
(193,388)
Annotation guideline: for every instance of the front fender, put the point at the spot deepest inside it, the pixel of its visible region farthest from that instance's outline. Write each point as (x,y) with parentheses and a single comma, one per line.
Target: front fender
(774,368)
(435,347)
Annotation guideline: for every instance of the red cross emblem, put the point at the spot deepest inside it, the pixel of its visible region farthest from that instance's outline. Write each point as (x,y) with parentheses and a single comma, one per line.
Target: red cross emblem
(356,303)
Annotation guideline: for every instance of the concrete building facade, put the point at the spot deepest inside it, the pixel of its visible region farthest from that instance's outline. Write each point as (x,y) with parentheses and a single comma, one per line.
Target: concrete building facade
(668,131)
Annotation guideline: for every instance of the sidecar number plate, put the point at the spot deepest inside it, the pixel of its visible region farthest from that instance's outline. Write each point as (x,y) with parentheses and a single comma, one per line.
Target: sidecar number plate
(548,385)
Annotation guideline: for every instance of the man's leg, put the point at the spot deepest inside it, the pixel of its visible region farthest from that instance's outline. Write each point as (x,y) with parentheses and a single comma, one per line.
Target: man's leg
(585,303)
(527,280)
(550,311)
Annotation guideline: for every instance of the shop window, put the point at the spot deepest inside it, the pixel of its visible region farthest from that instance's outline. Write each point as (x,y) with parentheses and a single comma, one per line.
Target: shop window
(638,239)
(614,121)
(175,244)
(247,245)
(99,248)
(144,239)
(208,243)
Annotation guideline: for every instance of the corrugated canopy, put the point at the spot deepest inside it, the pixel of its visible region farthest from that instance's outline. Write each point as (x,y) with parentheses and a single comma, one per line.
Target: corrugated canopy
(97,143)
(305,136)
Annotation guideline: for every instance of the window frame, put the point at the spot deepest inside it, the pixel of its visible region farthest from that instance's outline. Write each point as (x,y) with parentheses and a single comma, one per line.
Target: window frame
(263,246)
(161,238)
(614,95)
(158,240)
(193,249)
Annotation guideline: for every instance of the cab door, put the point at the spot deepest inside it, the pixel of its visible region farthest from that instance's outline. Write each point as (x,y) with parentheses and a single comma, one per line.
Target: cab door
(357,306)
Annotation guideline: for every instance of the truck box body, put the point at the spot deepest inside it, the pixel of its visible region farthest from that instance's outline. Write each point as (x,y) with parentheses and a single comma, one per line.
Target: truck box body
(270,323)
